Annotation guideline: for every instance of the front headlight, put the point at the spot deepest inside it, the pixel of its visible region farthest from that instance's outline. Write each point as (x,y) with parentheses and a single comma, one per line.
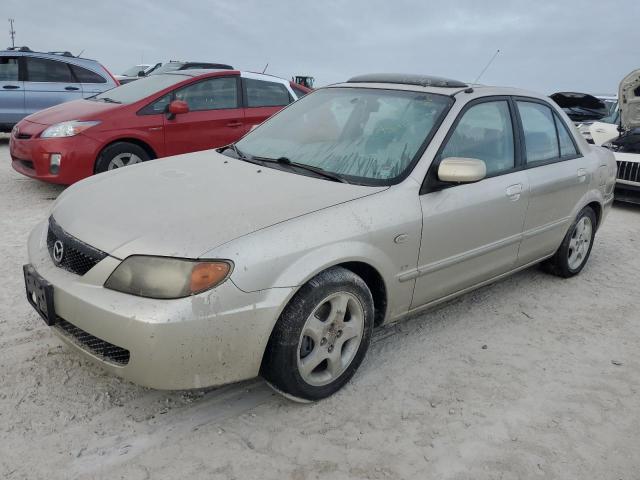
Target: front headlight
(67,129)
(166,277)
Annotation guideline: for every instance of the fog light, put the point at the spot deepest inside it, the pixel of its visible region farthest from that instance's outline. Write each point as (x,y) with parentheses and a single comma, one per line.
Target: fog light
(54,163)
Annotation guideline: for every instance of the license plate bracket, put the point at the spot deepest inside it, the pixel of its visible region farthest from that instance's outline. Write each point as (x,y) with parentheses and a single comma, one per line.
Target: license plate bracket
(39,294)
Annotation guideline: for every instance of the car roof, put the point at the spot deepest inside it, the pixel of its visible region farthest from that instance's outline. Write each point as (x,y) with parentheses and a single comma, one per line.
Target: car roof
(65,56)
(205,72)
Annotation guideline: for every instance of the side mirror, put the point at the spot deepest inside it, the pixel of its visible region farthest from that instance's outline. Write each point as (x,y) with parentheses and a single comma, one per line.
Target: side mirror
(141,73)
(177,107)
(461,170)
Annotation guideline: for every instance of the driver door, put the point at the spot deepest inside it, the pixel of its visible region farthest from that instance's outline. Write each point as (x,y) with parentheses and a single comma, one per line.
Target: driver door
(471,232)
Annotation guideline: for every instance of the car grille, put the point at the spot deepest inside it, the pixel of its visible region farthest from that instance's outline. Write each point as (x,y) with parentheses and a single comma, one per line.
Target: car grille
(77,256)
(629,171)
(101,348)
(23,136)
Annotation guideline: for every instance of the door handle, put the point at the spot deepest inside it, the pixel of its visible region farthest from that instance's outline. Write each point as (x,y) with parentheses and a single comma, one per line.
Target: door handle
(582,174)
(514,191)
(234,124)
(71,88)
(10,87)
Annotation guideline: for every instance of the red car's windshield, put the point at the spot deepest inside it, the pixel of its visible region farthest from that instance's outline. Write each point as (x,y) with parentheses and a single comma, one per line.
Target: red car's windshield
(135,91)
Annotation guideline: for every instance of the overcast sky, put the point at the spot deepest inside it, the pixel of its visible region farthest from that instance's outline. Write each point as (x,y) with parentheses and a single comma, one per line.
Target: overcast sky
(552,45)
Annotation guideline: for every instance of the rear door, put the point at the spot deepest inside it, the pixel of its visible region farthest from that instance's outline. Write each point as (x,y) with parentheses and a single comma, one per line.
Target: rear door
(215,117)
(11,91)
(263,99)
(471,232)
(91,82)
(557,176)
(49,82)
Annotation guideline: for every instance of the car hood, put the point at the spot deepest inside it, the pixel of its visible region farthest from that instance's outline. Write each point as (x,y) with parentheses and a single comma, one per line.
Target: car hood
(629,98)
(186,205)
(75,110)
(580,106)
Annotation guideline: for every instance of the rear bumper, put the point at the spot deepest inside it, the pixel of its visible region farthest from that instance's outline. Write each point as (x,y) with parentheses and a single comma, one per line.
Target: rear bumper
(31,157)
(213,338)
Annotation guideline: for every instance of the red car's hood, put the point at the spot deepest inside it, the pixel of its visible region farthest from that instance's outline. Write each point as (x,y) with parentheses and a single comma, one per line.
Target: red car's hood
(76,110)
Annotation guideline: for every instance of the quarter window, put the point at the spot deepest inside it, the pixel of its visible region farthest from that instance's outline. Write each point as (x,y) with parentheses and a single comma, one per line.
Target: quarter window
(43,70)
(212,94)
(540,138)
(266,94)
(484,132)
(567,147)
(9,69)
(86,76)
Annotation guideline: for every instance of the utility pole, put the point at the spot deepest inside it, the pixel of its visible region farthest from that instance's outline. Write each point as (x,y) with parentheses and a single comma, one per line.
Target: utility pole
(12,33)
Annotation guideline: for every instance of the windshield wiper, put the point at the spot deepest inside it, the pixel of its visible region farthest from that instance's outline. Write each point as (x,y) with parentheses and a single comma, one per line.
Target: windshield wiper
(317,170)
(108,100)
(240,155)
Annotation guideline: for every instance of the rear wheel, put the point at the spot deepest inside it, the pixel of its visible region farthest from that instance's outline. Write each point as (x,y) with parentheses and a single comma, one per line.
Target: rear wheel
(576,246)
(120,154)
(321,337)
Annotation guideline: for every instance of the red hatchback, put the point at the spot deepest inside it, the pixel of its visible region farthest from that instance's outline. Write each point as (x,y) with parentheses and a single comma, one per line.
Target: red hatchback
(157,116)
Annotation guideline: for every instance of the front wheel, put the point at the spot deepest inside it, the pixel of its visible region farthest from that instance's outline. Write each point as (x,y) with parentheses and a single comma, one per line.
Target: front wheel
(321,337)
(576,246)
(120,154)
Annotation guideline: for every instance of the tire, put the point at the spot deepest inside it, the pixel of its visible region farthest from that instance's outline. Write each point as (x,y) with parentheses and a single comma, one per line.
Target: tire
(120,154)
(315,329)
(574,251)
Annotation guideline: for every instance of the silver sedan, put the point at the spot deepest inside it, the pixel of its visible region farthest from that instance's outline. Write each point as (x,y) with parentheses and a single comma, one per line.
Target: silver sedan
(357,205)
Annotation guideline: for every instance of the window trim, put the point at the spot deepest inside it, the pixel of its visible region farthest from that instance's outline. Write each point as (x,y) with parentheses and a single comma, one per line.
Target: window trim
(431,183)
(245,94)
(556,117)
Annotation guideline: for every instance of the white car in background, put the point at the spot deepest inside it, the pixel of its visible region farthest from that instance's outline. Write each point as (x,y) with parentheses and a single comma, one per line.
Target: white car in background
(136,72)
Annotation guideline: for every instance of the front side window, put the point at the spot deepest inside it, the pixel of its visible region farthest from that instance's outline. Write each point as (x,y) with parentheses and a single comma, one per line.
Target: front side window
(369,136)
(540,139)
(212,94)
(484,132)
(43,70)
(9,69)
(86,76)
(266,94)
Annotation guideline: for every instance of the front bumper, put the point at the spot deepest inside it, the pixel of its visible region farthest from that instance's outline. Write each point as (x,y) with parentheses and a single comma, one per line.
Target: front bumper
(627,192)
(213,338)
(31,156)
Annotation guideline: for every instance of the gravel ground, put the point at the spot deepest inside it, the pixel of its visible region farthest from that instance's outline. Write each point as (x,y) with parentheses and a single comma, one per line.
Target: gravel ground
(532,377)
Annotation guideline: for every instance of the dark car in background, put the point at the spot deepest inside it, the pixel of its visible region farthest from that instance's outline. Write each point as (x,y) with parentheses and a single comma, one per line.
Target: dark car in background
(31,81)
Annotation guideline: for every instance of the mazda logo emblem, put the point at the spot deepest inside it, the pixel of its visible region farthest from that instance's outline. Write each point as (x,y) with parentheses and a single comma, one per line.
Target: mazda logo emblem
(58,252)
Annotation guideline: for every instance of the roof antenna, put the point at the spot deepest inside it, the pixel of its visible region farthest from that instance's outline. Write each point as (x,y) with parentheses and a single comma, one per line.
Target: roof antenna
(487,66)
(81,52)
(12,33)
(265,67)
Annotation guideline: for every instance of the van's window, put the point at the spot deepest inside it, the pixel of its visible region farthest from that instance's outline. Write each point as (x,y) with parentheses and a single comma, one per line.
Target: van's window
(87,76)
(9,69)
(212,94)
(567,147)
(43,70)
(484,132)
(540,139)
(266,94)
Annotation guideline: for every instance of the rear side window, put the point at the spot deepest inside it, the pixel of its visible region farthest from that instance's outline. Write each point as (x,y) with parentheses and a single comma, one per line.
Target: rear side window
(484,132)
(9,69)
(266,94)
(212,94)
(43,70)
(567,147)
(540,139)
(87,76)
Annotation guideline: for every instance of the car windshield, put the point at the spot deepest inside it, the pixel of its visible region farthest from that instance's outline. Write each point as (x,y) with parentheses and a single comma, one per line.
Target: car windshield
(168,67)
(133,71)
(368,136)
(135,91)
